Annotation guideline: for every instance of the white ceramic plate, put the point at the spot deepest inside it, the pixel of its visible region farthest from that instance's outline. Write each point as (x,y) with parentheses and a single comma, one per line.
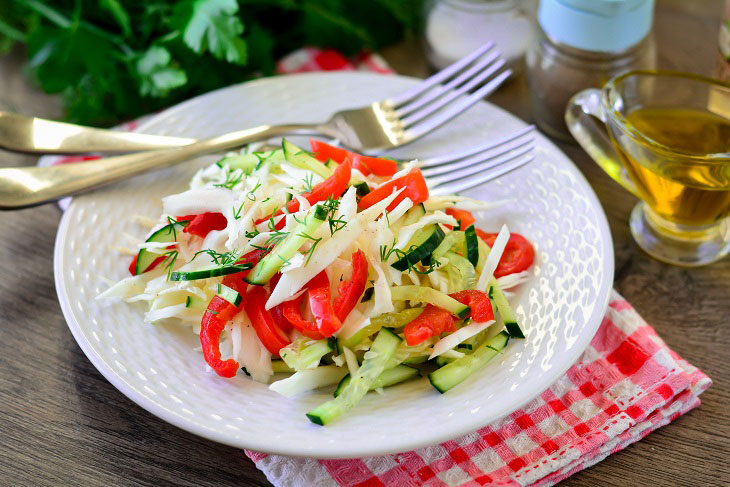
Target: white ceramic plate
(157,367)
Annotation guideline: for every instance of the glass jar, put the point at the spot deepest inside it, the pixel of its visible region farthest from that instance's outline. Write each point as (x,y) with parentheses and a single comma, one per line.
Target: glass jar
(577,49)
(454,28)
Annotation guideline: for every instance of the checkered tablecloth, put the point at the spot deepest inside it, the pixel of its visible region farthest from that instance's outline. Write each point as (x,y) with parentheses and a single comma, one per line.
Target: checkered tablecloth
(626,384)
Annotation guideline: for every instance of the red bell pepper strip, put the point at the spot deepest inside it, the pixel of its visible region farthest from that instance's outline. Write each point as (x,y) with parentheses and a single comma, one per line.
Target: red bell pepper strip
(324,152)
(415,189)
(351,291)
(365,164)
(333,187)
(155,263)
(466,217)
(321,305)
(374,165)
(478,301)
(219,312)
(292,311)
(517,256)
(202,224)
(272,337)
(431,322)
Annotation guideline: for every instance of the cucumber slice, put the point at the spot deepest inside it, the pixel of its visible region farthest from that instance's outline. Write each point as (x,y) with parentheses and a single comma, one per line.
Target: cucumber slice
(471,242)
(303,159)
(383,348)
(280,367)
(399,373)
(285,250)
(304,353)
(414,214)
(504,309)
(209,272)
(251,161)
(386,320)
(441,361)
(195,302)
(331,165)
(431,296)
(457,371)
(361,189)
(229,295)
(420,247)
(420,359)
(168,233)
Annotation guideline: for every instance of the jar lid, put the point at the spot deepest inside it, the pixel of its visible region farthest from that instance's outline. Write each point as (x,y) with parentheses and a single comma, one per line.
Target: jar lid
(596,25)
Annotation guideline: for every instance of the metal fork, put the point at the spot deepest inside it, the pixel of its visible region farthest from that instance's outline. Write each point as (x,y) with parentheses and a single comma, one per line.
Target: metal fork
(455,172)
(383,124)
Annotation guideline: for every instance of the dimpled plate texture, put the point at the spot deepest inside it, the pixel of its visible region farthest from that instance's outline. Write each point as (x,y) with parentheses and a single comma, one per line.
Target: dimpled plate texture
(159,368)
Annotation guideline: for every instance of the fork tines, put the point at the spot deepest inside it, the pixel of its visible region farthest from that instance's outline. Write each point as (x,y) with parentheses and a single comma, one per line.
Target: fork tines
(452,173)
(449,92)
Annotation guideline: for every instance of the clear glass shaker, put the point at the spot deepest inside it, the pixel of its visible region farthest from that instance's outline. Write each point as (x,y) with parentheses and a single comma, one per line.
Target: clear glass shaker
(581,44)
(454,28)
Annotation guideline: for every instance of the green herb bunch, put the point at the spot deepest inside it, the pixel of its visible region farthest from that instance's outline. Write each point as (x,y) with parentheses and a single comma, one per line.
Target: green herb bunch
(116,59)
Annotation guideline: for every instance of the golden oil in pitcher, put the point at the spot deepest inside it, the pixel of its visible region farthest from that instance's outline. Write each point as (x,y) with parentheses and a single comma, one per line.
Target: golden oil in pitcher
(697,194)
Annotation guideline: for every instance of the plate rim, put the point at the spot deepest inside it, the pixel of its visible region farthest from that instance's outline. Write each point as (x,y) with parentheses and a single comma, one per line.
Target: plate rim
(367,449)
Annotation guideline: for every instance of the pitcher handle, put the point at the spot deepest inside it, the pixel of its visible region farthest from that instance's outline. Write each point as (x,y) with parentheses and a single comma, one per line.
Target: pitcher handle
(580,116)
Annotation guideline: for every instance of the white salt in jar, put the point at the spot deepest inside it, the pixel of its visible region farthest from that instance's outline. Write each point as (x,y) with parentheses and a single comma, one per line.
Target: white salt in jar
(454,28)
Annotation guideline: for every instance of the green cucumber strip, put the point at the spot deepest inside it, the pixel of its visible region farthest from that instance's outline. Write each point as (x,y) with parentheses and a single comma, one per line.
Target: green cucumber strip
(419,359)
(431,296)
(471,242)
(280,367)
(305,353)
(457,371)
(361,189)
(483,253)
(230,295)
(386,320)
(399,373)
(452,239)
(168,233)
(420,247)
(304,160)
(285,250)
(209,272)
(441,360)
(414,214)
(195,302)
(249,162)
(504,309)
(331,165)
(383,348)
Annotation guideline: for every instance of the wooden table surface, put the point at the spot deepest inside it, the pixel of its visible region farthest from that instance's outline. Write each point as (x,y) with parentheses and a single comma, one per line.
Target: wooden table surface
(62,423)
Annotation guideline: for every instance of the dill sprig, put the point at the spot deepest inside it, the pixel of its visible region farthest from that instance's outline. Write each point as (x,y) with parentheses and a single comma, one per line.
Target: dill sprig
(172,226)
(251,196)
(237,212)
(386,252)
(308,183)
(233,178)
(331,205)
(315,241)
(220,259)
(169,262)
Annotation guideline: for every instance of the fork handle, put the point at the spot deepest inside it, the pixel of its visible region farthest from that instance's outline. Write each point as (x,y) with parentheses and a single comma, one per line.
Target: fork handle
(30,186)
(34,135)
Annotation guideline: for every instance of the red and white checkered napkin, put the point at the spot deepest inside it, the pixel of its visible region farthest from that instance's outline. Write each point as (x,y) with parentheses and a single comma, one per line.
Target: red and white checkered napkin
(626,384)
